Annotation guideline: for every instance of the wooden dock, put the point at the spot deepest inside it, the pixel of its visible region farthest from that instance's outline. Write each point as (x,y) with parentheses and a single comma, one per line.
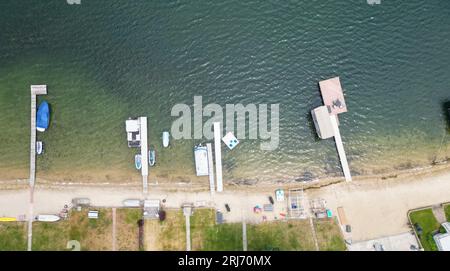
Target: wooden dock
(144,153)
(35,90)
(333,99)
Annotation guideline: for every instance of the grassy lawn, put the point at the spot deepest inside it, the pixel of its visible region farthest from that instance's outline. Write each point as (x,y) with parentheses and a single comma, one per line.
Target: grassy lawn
(127,229)
(447,212)
(169,234)
(13,236)
(329,235)
(283,235)
(207,236)
(93,234)
(429,225)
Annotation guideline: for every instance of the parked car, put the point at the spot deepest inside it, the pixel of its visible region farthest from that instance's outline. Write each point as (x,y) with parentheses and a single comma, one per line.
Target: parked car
(227,207)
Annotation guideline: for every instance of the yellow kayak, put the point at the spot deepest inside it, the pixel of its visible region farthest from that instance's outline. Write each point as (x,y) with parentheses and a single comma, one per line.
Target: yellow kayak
(7,219)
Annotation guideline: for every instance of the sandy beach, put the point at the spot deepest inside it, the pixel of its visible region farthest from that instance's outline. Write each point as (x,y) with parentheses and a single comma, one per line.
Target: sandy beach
(374,207)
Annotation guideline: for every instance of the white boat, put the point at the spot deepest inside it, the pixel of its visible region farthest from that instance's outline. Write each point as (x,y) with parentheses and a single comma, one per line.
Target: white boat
(39,147)
(201,160)
(166,139)
(48,218)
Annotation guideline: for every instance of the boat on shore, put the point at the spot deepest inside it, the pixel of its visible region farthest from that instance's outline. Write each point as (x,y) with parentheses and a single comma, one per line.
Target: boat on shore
(138,161)
(43,117)
(152,157)
(48,218)
(166,139)
(39,147)
(8,219)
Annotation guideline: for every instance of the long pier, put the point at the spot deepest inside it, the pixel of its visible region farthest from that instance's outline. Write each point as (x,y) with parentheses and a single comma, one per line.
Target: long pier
(144,153)
(35,90)
(218,153)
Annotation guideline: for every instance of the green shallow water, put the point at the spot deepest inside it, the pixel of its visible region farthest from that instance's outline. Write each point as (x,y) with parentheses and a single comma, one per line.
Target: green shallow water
(105,61)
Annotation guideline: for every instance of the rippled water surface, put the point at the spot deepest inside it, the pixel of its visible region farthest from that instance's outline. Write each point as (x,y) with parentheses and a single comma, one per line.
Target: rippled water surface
(105,61)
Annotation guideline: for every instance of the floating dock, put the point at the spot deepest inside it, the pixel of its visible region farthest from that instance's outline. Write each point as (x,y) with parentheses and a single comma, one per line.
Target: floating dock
(326,118)
(218,152)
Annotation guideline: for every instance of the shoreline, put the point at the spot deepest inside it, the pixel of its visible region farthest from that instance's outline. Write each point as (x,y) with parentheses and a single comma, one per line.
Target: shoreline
(195,184)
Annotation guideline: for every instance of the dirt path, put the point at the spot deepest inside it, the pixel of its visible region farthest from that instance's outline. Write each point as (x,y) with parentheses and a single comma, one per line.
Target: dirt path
(114,220)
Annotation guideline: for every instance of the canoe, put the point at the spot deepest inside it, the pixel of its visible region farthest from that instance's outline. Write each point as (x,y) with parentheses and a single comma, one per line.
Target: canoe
(39,147)
(48,218)
(165,139)
(151,157)
(8,219)
(42,117)
(138,161)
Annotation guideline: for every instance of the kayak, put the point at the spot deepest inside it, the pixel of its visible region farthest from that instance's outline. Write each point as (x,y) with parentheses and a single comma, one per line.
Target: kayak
(138,161)
(43,117)
(39,147)
(8,219)
(151,157)
(165,139)
(48,218)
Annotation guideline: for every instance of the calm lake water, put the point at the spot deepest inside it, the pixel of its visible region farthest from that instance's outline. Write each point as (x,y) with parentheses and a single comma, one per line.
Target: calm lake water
(105,61)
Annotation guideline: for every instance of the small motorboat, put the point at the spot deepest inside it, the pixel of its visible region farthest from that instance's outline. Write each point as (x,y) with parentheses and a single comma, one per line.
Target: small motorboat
(138,161)
(39,147)
(43,117)
(166,139)
(152,157)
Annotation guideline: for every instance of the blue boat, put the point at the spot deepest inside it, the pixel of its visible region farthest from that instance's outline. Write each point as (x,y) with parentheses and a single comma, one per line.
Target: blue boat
(43,117)
(138,161)
(151,157)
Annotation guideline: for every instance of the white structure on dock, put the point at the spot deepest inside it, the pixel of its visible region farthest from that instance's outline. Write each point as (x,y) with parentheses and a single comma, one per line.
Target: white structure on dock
(218,153)
(137,137)
(326,118)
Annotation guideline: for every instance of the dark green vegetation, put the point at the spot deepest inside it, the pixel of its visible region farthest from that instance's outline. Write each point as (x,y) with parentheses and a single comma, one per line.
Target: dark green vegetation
(13,236)
(207,235)
(425,225)
(93,234)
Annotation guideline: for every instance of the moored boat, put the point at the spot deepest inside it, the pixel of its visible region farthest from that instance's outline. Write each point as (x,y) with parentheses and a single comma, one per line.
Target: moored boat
(138,161)
(166,139)
(152,157)
(39,147)
(43,117)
